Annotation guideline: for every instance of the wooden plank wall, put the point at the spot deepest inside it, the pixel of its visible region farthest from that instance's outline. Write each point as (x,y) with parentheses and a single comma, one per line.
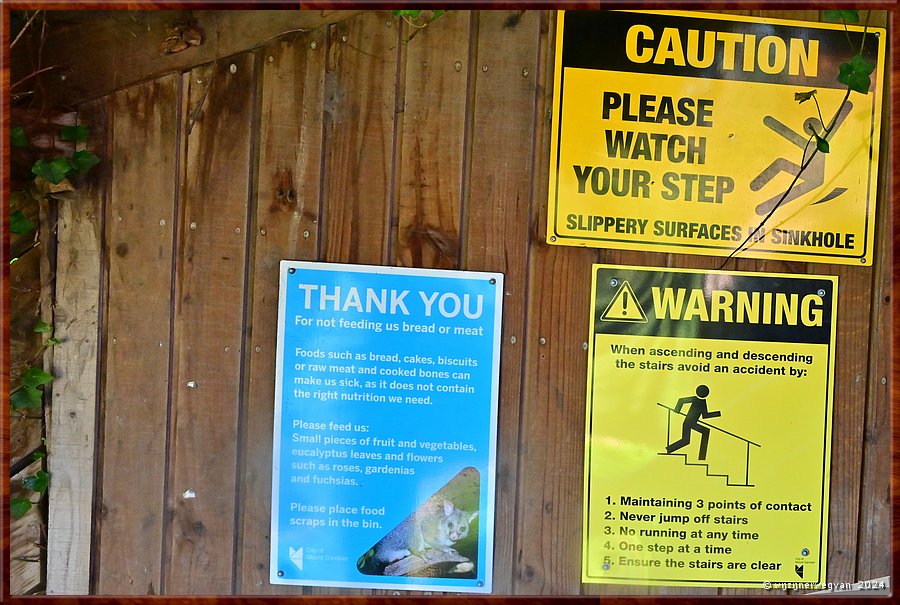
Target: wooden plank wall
(77,312)
(366,141)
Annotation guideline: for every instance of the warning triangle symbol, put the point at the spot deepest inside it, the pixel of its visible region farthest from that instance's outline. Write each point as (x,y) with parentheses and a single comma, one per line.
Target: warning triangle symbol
(624,306)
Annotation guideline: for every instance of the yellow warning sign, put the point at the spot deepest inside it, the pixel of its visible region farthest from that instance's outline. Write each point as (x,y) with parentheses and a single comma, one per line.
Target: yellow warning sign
(683,132)
(688,413)
(624,306)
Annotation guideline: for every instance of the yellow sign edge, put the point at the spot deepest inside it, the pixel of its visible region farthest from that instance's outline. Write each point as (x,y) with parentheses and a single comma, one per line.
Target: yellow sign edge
(829,423)
(865,258)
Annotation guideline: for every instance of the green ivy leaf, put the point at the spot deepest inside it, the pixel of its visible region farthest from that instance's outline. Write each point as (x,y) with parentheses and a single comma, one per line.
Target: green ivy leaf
(42,326)
(53,341)
(38,454)
(821,144)
(82,161)
(54,171)
(37,482)
(35,377)
(25,398)
(18,507)
(842,15)
(855,74)
(77,133)
(17,137)
(412,14)
(800,97)
(861,64)
(436,14)
(19,223)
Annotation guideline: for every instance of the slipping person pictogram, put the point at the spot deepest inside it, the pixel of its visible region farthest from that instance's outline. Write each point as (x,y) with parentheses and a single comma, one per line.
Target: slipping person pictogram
(814,175)
(692,418)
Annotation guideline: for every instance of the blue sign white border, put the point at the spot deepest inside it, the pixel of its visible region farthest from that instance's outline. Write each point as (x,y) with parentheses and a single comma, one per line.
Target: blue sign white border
(486,520)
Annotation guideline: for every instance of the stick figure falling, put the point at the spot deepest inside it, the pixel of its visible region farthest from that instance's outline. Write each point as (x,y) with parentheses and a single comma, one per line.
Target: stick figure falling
(814,175)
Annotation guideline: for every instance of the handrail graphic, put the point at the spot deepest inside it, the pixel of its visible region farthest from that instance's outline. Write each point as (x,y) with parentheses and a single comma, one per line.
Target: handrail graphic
(711,426)
(748,442)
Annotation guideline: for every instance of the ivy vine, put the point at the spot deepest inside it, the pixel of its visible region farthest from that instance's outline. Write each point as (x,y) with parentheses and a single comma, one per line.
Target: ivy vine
(49,178)
(414,16)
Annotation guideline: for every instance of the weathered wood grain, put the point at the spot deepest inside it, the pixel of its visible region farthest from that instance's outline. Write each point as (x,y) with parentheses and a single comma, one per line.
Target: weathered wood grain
(551,446)
(508,105)
(371,151)
(432,139)
(848,418)
(427,163)
(875,497)
(359,105)
(134,37)
(286,226)
(79,297)
(360,133)
(140,219)
(549,500)
(25,538)
(209,325)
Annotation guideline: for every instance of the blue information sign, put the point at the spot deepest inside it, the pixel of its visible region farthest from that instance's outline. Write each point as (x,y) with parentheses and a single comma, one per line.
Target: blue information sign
(385,431)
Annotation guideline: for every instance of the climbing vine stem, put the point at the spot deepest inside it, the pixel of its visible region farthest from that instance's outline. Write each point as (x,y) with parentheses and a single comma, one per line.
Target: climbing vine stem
(856,76)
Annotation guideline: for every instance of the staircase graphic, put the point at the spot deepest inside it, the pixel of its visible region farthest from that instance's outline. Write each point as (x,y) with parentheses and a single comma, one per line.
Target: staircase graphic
(728,478)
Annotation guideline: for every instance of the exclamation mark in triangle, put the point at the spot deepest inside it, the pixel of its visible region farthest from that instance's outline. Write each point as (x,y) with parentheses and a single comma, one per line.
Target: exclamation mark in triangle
(624,306)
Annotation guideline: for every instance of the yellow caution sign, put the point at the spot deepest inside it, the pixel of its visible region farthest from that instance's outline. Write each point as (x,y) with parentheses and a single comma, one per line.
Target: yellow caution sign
(624,306)
(708,443)
(685,132)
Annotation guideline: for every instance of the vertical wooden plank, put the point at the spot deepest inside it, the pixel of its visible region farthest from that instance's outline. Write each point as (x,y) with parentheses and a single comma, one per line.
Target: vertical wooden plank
(359,101)
(874,545)
(848,418)
(551,471)
(79,298)
(508,105)
(551,442)
(432,139)
(873,551)
(286,227)
(209,321)
(140,223)
(359,163)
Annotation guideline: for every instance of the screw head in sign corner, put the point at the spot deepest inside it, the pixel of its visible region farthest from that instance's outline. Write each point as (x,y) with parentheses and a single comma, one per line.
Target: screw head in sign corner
(292,270)
(804,552)
(821,292)
(606,567)
(493,281)
(614,282)
(280,574)
(552,238)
